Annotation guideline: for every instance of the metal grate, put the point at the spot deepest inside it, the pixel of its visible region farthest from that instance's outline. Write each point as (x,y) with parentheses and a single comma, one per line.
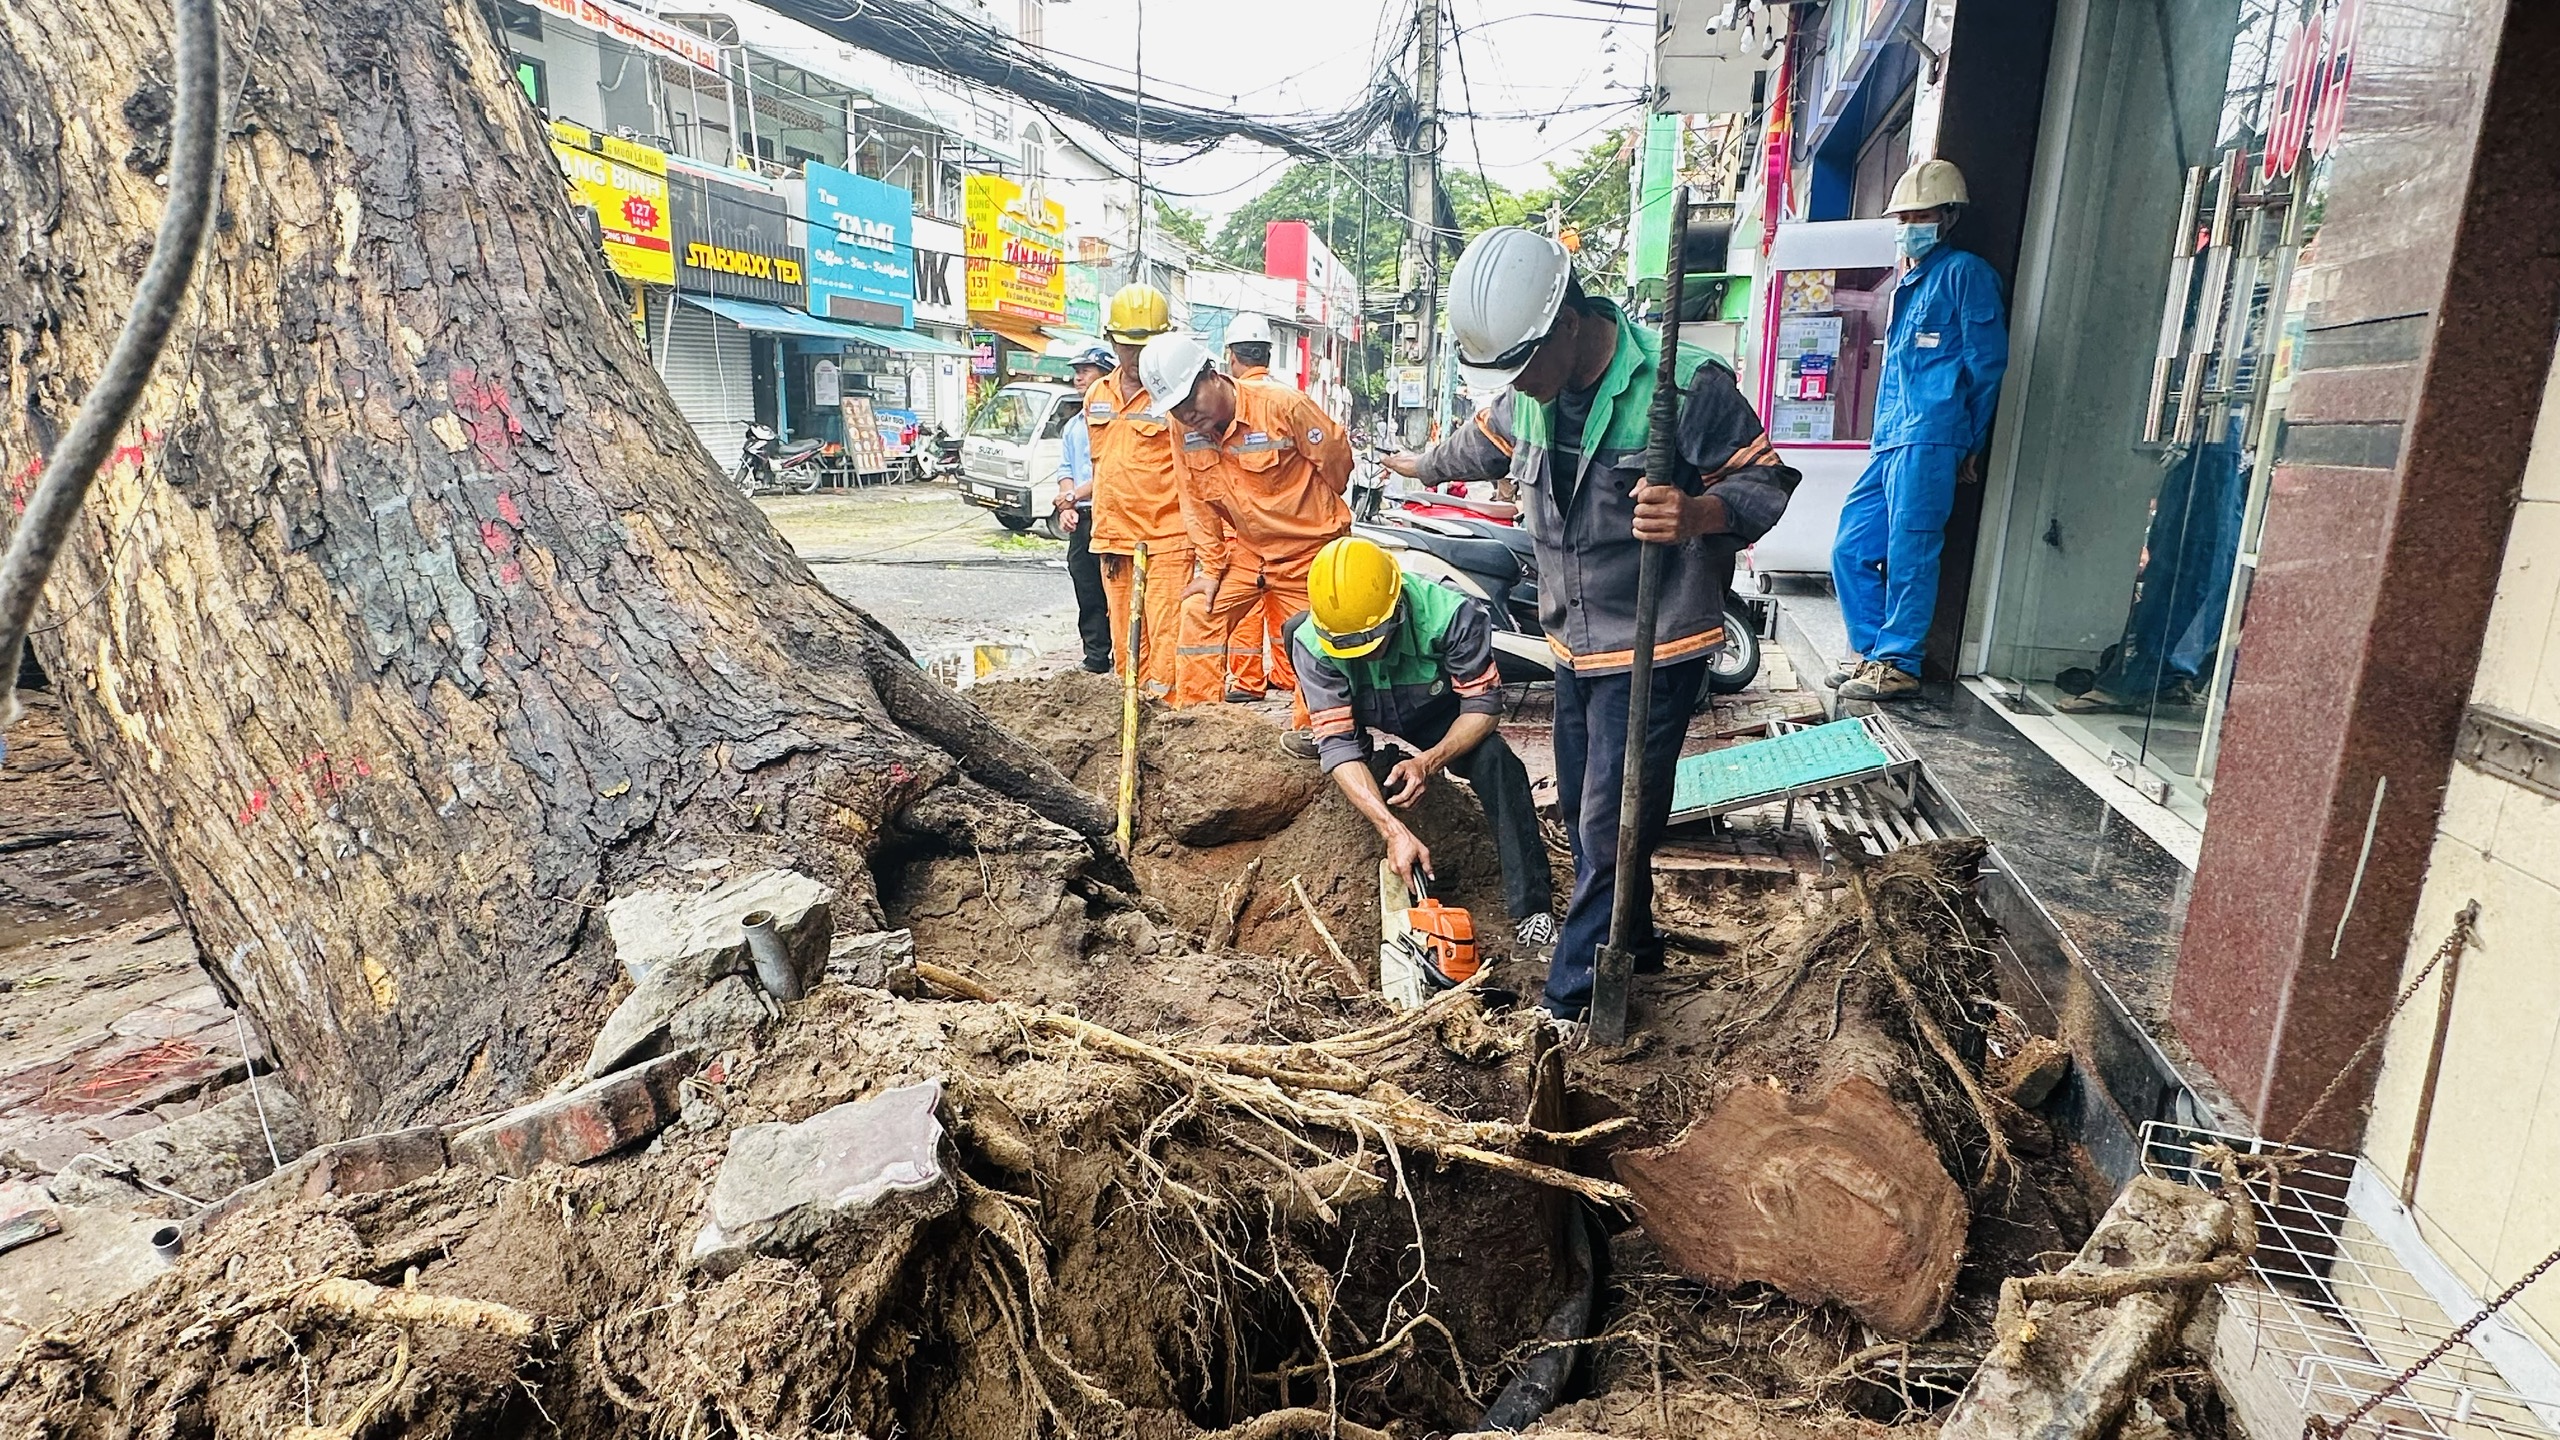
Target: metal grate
(1794,761)
(2343,1295)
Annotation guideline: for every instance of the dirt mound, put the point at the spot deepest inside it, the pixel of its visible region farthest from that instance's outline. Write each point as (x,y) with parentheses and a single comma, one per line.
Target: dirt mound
(1215,794)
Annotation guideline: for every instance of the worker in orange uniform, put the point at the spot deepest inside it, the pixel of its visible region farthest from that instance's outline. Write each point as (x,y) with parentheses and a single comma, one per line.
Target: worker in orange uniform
(1263,491)
(1137,493)
(1248,347)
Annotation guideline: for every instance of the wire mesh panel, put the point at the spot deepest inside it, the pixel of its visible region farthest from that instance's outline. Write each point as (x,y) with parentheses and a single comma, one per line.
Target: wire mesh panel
(2342,1297)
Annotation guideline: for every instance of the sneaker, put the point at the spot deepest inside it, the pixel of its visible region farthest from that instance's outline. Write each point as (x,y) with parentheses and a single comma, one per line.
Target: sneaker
(1572,1033)
(1535,931)
(1845,672)
(1301,743)
(1879,680)
(1243,697)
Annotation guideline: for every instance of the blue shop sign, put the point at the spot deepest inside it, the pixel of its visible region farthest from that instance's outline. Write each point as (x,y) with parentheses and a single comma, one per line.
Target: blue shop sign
(861,249)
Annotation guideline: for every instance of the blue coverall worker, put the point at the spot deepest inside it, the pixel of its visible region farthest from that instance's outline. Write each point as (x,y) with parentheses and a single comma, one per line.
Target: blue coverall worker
(1584,376)
(1945,350)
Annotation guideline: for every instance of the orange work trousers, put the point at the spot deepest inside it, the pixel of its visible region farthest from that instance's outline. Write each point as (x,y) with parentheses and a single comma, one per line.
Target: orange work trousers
(1256,634)
(1210,633)
(1168,571)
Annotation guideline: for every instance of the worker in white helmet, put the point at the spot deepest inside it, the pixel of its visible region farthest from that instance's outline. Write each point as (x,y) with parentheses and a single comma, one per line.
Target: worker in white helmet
(1583,378)
(1249,347)
(1944,352)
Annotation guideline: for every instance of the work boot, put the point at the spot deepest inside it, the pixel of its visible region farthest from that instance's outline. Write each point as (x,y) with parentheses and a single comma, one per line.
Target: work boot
(1301,743)
(1879,680)
(1098,667)
(1243,697)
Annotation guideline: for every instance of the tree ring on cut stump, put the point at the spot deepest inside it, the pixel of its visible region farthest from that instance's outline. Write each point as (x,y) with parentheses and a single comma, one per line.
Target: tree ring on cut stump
(1837,1199)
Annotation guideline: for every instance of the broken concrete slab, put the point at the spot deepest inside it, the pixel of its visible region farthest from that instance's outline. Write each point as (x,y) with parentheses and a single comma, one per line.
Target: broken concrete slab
(732,1013)
(585,1124)
(2083,1362)
(359,1166)
(99,1257)
(633,1031)
(654,928)
(878,960)
(27,1213)
(220,1148)
(869,1165)
(2027,1079)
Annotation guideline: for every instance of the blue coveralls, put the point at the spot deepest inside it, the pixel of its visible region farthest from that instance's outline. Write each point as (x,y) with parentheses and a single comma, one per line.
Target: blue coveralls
(1944,352)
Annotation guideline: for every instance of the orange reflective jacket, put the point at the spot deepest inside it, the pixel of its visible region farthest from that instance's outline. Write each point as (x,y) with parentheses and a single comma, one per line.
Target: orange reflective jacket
(1137,479)
(1274,482)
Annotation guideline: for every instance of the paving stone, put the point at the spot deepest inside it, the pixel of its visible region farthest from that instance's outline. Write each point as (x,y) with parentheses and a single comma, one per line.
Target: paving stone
(653,928)
(864,1169)
(585,1124)
(879,960)
(27,1213)
(633,1031)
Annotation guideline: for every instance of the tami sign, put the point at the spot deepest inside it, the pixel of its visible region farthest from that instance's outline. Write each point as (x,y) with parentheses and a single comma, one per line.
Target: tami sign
(861,248)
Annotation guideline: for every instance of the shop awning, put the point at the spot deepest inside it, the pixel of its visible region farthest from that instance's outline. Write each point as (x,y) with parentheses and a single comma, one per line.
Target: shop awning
(1020,332)
(905,342)
(774,319)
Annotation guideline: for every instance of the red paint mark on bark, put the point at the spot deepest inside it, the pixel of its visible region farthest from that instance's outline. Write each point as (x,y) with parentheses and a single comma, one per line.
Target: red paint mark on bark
(488,414)
(510,573)
(318,778)
(23,482)
(507,510)
(494,535)
(256,807)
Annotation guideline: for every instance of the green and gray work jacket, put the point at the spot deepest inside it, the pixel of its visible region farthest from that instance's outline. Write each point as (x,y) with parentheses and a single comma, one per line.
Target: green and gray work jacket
(1437,666)
(1582,517)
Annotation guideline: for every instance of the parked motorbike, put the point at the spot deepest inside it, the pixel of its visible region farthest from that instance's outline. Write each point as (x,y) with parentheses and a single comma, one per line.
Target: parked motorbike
(935,456)
(1494,561)
(765,467)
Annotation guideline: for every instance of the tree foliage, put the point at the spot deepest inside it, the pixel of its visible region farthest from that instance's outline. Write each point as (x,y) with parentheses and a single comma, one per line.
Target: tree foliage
(1183,223)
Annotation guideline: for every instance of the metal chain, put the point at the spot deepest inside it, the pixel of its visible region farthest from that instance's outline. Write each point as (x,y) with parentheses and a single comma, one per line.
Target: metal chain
(2316,1428)
(2465,930)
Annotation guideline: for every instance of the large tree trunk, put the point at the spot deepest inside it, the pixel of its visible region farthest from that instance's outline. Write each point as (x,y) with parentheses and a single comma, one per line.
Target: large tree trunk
(413,622)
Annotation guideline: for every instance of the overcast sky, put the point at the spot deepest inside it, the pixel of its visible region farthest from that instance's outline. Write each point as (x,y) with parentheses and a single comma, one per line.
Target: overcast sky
(1541,58)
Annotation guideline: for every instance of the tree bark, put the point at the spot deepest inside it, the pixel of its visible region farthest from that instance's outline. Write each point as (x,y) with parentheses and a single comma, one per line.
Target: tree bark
(1824,1167)
(412,621)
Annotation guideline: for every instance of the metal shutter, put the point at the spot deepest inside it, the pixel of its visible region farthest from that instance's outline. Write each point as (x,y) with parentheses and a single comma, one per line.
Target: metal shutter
(706,362)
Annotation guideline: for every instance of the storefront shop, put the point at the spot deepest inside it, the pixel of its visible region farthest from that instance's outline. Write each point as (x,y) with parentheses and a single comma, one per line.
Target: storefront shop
(741,288)
(942,315)
(1016,251)
(2150,369)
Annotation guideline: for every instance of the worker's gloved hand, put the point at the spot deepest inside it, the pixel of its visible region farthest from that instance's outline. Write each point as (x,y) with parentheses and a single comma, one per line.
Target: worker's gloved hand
(1666,515)
(1403,463)
(1408,854)
(1405,778)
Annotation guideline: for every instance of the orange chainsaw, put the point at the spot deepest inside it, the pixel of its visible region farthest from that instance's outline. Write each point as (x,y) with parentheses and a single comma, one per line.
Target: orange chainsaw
(1441,939)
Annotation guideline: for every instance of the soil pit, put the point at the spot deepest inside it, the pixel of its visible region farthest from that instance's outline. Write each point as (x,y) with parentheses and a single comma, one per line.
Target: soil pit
(1260,1193)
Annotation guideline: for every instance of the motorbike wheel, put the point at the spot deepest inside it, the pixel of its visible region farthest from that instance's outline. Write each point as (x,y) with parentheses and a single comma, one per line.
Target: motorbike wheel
(1736,663)
(808,481)
(1015,523)
(1049,526)
(744,477)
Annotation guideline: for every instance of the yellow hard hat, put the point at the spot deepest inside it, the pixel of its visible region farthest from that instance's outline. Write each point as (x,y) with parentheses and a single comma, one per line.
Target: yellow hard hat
(1138,311)
(1926,186)
(1353,590)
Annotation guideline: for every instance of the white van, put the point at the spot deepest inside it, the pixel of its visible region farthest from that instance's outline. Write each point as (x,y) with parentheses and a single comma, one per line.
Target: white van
(1010,457)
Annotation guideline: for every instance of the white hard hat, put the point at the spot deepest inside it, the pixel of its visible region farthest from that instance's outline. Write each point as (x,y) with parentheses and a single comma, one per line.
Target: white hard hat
(1248,329)
(1926,186)
(1503,297)
(1170,366)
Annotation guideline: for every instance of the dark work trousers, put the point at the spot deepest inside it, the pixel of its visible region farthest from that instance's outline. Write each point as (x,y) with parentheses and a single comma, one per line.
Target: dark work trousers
(1093,608)
(1591,755)
(1502,787)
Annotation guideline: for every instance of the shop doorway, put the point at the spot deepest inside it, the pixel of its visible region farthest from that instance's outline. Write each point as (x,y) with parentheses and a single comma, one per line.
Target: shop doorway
(2149,397)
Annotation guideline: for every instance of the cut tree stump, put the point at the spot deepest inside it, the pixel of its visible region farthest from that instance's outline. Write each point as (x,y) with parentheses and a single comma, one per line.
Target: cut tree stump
(2080,1363)
(1825,1168)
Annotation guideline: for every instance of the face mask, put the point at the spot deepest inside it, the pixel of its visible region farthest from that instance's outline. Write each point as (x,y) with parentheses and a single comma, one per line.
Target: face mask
(1917,240)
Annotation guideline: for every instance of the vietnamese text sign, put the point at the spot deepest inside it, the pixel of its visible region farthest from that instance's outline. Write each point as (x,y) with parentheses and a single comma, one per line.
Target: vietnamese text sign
(626,185)
(861,248)
(1017,249)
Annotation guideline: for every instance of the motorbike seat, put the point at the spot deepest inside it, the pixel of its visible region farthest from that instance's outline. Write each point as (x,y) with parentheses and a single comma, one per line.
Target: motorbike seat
(1491,558)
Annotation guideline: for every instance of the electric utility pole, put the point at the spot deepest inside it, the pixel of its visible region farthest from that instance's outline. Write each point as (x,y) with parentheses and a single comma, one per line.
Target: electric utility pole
(1422,205)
